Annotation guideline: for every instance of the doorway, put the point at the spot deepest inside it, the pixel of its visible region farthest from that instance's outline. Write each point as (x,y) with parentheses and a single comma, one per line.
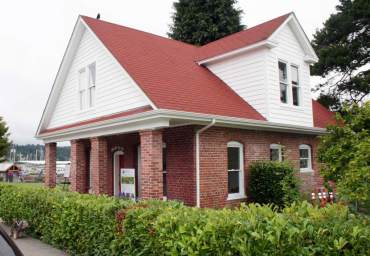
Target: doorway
(118,163)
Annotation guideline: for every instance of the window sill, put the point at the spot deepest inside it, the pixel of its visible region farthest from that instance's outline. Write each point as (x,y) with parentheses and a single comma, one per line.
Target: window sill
(291,107)
(306,171)
(231,197)
(80,112)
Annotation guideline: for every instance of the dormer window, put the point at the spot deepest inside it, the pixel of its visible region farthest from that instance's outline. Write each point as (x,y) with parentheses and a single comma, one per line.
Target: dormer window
(289,92)
(86,85)
(283,77)
(295,85)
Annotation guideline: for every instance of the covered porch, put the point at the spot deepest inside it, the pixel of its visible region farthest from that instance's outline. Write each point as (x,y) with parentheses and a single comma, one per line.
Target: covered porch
(146,164)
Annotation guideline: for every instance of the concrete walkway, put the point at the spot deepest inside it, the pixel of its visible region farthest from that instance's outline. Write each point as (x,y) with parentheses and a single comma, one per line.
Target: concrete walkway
(33,247)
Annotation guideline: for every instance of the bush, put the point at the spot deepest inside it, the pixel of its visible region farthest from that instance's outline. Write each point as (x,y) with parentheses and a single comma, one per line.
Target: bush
(273,182)
(91,225)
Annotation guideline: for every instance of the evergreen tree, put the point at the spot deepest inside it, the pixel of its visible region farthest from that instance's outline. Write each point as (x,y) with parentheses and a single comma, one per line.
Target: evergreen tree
(199,22)
(343,47)
(4,139)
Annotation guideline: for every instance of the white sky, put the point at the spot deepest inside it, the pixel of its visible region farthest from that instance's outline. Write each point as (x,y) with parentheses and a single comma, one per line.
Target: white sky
(34,35)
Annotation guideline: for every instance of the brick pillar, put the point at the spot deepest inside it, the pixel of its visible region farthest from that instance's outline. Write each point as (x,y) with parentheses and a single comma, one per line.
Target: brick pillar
(50,164)
(99,165)
(151,164)
(79,172)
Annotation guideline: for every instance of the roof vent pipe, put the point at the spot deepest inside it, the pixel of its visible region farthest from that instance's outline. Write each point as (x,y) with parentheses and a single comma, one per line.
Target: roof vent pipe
(197,157)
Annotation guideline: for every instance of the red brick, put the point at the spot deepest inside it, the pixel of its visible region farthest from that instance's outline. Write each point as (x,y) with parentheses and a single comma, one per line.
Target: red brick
(151,147)
(50,164)
(79,166)
(99,165)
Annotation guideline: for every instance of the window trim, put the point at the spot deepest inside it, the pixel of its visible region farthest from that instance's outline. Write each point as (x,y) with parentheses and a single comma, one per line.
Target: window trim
(84,92)
(309,167)
(278,147)
(286,83)
(241,194)
(91,85)
(298,86)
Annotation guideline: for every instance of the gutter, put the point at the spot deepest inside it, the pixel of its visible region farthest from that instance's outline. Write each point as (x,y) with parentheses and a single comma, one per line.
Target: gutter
(197,157)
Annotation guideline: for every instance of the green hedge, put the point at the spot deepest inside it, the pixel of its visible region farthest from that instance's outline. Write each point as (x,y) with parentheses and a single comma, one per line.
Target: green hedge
(273,182)
(90,225)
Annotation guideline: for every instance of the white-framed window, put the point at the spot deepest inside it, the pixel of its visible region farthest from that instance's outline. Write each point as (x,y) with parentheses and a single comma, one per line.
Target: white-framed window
(235,167)
(305,158)
(276,152)
(82,83)
(295,85)
(87,86)
(92,84)
(283,79)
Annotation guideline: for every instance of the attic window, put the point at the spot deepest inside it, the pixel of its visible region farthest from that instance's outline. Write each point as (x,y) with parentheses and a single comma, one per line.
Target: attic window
(87,84)
(283,78)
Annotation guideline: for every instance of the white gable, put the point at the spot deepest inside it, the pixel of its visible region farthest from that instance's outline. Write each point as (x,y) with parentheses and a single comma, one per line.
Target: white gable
(115,90)
(254,75)
(289,50)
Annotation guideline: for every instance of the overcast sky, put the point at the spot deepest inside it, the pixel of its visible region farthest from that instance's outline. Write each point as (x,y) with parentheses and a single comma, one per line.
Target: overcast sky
(34,35)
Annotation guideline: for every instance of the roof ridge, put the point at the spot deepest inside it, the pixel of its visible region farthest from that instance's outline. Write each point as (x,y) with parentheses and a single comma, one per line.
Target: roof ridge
(140,31)
(244,30)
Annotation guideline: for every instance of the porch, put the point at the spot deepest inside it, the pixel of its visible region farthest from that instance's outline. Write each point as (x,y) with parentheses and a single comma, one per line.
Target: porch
(132,165)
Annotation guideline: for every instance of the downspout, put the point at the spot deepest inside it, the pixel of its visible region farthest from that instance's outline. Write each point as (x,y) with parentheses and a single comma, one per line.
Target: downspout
(197,158)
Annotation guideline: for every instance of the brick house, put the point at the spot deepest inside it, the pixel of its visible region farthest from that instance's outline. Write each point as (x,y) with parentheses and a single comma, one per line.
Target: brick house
(151,117)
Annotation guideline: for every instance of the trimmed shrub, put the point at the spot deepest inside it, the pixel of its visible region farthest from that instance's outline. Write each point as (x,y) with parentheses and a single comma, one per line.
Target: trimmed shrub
(98,225)
(273,182)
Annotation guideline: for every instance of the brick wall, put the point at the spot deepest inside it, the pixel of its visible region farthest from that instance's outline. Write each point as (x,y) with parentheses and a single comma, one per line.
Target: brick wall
(50,164)
(79,166)
(99,165)
(151,164)
(180,144)
(256,147)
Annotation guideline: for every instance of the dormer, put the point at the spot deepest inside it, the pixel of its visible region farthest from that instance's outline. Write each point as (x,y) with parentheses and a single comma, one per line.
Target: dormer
(269,67)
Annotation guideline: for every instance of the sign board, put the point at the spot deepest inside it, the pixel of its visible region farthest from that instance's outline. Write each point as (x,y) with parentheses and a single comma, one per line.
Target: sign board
(128,183)
(67,170)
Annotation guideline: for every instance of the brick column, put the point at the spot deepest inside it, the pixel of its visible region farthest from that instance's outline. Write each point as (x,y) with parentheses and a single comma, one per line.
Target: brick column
(50,164)
(99,165)
(151,164)
(79,172)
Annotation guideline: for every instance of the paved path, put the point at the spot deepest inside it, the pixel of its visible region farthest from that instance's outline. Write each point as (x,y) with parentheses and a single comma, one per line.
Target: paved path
(33,247)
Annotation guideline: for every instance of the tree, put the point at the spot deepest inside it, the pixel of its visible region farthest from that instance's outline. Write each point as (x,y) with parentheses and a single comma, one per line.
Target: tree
(4,139)
(199,22)
(345,154)
(343,47)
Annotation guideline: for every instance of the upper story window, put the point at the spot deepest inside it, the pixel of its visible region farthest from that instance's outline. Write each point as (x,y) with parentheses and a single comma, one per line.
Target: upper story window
(235,170)
(86,85)
(305,158)
(295,85)
(289,92)
(276,152)
(283,78)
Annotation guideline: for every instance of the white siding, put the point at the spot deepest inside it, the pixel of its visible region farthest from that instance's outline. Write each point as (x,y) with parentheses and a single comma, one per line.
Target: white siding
(289,50)
(246,75)
(255,77)
(115,91)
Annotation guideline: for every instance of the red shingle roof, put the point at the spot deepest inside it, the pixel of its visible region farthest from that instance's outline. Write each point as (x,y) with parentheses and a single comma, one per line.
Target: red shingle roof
(241,39)
(322,117)
(166,71)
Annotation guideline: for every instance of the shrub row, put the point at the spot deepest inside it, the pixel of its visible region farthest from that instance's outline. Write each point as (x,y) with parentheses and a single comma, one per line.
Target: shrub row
(90,225)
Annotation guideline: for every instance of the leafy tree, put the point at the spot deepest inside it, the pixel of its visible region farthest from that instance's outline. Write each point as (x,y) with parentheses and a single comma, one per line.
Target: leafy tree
(199,22)
(345,153)
(4,139)
(343,47)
